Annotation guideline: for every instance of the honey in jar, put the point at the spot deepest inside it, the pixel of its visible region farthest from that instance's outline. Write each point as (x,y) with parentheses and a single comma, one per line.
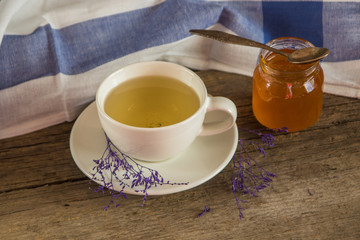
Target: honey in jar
(286,94)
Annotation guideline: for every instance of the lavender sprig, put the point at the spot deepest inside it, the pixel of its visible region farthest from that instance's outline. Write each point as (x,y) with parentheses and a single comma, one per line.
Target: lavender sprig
(125,172)
(204,211)
(248,176)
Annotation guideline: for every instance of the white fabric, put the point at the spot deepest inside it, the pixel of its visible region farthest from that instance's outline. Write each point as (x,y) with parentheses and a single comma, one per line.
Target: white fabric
(48,100)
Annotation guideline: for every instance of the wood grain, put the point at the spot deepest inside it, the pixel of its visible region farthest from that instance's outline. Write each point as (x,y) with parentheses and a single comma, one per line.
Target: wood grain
(316,193)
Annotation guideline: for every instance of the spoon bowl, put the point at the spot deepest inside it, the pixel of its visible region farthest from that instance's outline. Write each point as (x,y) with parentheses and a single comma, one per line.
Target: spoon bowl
(308,55)
(304,55)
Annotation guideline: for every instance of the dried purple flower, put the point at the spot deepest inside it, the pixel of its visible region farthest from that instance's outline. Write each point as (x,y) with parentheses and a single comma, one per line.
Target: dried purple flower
(248,176)
(123,169)
(205,211)
(310,193)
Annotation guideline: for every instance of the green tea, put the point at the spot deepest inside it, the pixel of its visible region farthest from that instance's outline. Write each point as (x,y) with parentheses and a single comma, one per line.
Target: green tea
(151,101)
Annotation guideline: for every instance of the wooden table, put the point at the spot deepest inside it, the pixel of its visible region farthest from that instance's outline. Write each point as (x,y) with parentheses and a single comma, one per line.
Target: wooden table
(316,194)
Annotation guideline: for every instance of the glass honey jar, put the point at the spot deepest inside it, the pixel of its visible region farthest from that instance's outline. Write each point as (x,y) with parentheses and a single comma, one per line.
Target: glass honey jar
(287,94)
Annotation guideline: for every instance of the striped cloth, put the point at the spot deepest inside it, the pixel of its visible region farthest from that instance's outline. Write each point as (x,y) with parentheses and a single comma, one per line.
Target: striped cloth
(54,54)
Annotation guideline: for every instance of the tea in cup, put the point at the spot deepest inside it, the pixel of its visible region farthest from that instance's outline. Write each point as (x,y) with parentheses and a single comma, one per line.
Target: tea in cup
(153,111)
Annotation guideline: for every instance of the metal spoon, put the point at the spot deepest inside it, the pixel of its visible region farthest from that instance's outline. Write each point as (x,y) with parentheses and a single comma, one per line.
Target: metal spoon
(304,55)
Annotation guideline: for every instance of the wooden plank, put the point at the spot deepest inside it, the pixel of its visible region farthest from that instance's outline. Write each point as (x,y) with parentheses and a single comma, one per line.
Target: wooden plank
(43,195)
(37,159)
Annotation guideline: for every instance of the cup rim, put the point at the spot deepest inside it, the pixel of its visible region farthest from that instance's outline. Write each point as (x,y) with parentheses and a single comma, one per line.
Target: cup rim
(113,121)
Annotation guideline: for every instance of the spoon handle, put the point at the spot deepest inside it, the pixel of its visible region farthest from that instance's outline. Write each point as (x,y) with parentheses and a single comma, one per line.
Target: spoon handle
(233,39)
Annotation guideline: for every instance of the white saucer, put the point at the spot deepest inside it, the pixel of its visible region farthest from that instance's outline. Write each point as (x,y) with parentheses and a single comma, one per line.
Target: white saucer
(203,160)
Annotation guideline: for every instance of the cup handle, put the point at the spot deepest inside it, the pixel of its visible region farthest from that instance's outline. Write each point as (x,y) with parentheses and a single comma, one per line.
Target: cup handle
(220,116)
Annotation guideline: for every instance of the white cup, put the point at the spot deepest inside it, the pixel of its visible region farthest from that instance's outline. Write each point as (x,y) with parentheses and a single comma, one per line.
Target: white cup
(158,144)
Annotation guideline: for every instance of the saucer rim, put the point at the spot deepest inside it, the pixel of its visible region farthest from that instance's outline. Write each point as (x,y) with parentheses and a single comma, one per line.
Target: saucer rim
(158,190)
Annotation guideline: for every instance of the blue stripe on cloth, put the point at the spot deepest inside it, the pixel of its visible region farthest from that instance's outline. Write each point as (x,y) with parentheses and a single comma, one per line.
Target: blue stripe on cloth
(293,19)
(86,45)
(27,57)
(341,21)
(244,18)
